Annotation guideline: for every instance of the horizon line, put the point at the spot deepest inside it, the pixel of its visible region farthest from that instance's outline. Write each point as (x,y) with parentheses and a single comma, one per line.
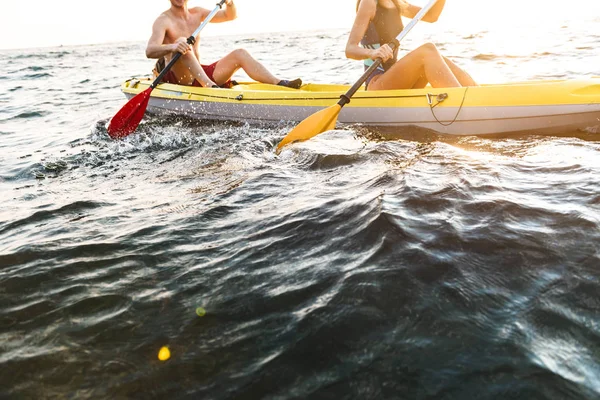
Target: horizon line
(58,46)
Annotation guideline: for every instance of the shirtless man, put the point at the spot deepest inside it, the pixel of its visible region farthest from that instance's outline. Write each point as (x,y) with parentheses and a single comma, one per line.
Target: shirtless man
(169,34)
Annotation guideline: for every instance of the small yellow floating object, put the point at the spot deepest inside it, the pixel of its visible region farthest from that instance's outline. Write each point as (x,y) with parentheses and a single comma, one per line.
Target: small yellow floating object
(201,312)
(164,354)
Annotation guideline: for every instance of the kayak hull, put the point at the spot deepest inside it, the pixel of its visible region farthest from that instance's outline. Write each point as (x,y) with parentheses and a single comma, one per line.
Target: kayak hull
(543,107)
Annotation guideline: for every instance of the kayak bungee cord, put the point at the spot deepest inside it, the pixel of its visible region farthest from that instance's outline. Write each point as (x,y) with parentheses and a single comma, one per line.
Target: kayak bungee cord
(440,98)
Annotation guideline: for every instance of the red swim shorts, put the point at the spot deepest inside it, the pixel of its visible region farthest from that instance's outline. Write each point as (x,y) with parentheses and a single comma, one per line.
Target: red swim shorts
(171,78)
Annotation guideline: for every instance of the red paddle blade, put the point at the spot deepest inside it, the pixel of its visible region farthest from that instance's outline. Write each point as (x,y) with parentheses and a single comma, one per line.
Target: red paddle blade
(128,118)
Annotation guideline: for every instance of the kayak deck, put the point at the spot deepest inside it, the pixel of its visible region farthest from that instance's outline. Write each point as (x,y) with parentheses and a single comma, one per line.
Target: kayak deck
(547,107)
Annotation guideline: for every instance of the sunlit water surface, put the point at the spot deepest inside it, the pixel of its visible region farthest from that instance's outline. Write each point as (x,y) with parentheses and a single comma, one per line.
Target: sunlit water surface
(345,267)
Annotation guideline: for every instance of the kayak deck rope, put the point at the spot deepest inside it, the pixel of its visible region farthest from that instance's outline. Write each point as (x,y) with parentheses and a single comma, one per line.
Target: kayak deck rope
(241,97)
(439,99)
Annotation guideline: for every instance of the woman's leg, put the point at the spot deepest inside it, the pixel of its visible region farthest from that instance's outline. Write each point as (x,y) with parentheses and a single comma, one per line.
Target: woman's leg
(421,81)
(240,58)
(409,71)
(463,77)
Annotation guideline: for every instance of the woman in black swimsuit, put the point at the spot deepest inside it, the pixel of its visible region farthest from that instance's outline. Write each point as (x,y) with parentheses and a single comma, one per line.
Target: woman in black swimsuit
(377,23)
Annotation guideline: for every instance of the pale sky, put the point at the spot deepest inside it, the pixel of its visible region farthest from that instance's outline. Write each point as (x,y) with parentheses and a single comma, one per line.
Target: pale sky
(39,23)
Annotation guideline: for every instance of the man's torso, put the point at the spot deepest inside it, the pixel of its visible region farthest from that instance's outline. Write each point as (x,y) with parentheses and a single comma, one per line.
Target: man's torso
(177,27)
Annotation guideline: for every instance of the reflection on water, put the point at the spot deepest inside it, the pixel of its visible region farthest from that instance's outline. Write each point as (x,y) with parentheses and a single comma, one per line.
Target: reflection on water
(360,264)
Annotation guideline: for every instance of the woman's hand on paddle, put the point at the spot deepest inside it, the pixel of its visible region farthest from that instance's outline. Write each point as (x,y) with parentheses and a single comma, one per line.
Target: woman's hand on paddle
(181,46)
(385,52)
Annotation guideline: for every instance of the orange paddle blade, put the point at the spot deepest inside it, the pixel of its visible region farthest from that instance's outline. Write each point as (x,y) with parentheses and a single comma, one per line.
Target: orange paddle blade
(319,122)
(128,118)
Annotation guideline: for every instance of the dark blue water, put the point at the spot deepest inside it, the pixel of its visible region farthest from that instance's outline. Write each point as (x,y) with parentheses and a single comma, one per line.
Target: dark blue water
(348,267)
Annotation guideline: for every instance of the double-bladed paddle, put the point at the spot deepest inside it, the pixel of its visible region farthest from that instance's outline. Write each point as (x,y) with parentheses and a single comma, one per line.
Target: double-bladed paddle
(128,118)
(325,120)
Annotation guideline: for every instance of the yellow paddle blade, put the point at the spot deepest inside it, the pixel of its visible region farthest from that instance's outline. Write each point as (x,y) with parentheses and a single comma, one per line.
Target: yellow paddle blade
(319,122)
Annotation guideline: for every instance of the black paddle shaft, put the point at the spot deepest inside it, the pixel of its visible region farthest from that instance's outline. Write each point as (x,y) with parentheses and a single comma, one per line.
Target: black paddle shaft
(345,98)
(191,41)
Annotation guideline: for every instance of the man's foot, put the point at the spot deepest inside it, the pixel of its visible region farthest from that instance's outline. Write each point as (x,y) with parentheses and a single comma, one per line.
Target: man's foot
(295,84)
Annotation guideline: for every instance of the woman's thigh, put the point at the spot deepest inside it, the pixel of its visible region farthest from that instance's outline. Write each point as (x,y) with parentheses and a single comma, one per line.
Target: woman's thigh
(404,74)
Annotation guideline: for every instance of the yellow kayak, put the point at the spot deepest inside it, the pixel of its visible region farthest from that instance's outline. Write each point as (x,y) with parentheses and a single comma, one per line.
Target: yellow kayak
(542,107)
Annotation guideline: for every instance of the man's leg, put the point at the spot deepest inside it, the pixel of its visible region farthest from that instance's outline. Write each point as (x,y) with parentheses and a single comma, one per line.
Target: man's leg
(189,69)
(240,58)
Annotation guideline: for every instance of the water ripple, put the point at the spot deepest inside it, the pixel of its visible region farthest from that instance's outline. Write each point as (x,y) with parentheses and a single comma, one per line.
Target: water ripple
(360,264)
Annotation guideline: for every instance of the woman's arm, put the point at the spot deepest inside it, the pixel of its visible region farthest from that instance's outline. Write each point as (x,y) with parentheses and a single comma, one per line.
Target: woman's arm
(364,15)
(409,11)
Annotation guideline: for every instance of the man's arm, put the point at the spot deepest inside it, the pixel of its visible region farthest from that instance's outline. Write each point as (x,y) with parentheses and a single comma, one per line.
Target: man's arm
(155,47)
(228,14)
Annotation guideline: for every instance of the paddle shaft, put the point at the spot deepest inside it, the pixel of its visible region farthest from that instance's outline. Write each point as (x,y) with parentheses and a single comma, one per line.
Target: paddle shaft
(191,40)
(345,98)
